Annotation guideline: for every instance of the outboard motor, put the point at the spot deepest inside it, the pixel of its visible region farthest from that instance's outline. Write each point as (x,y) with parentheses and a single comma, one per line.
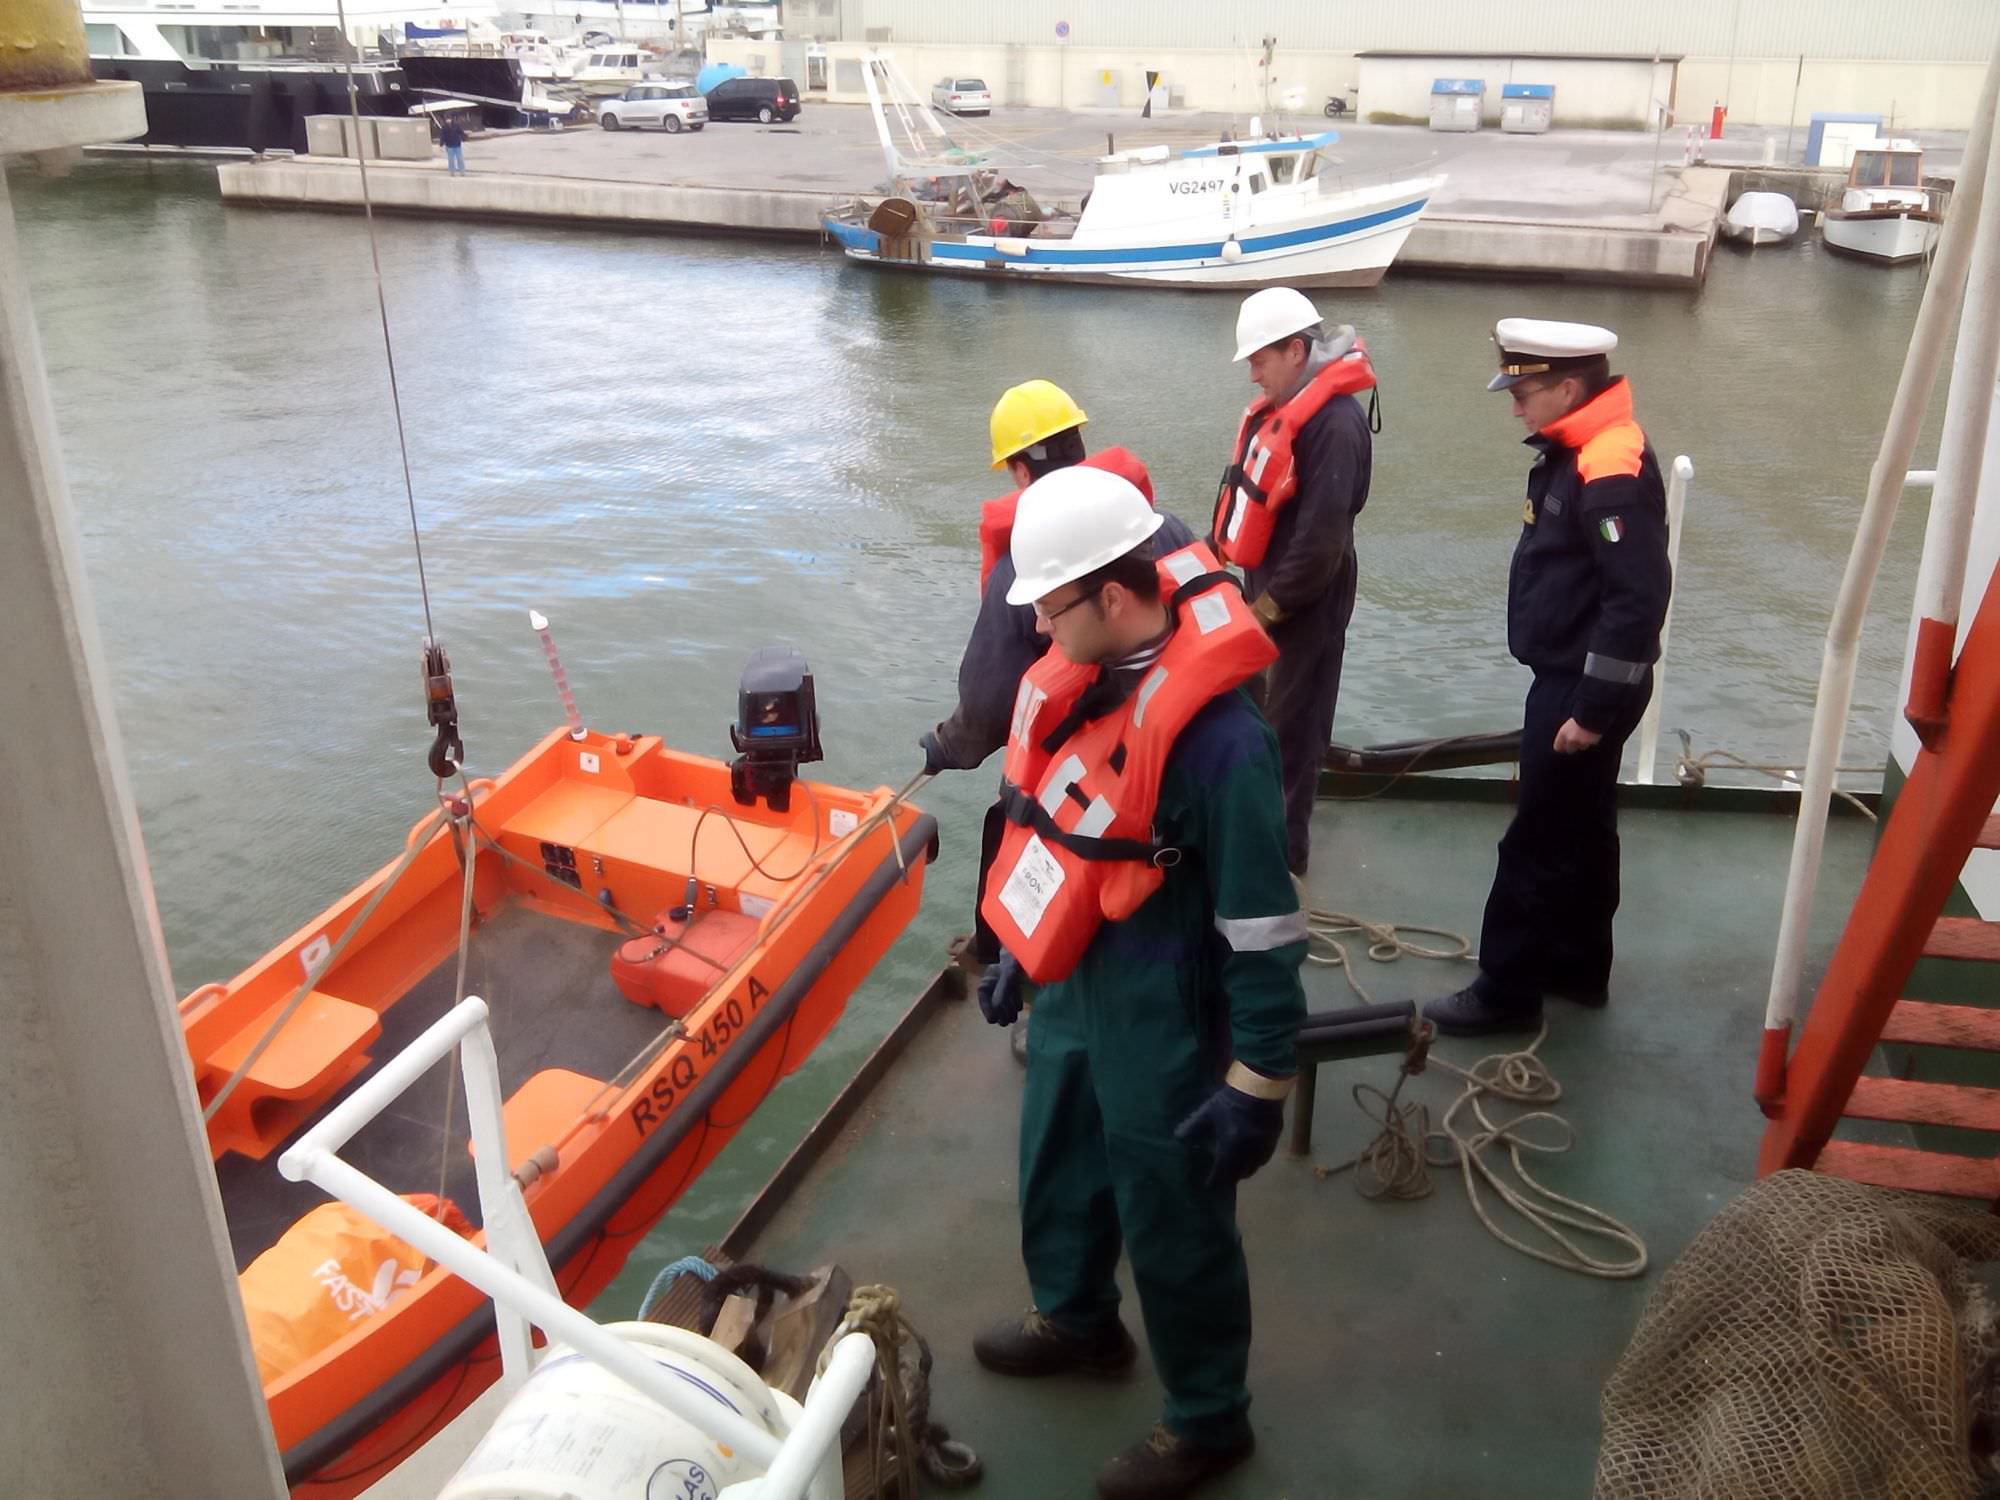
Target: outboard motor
(776,729)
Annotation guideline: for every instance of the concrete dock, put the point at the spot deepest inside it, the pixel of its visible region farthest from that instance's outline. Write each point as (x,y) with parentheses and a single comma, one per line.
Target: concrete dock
(1598,206)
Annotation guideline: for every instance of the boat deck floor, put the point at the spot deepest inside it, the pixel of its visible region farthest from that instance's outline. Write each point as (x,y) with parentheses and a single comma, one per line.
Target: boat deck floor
(1400,1350)
(554,1005)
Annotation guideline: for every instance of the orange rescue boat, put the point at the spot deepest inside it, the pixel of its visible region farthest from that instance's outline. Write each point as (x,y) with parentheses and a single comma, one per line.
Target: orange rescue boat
(657,955)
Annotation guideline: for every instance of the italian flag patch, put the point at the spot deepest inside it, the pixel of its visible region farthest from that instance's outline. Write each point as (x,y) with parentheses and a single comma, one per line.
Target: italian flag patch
(1611,528)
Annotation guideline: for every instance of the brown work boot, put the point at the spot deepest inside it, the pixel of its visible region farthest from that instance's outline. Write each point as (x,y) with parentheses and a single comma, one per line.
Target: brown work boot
(1032,1345)
(1165,1467)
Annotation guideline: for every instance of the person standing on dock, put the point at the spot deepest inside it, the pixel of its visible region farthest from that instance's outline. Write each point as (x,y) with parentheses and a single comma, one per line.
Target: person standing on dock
(1036,429)
(1141,880)
(1586,597)
(451,136)
(1297,478)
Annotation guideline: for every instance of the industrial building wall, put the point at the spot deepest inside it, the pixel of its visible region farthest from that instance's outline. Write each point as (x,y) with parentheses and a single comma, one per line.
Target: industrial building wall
(1591,93)
(1759,91)
(1788,90)
(1908,30)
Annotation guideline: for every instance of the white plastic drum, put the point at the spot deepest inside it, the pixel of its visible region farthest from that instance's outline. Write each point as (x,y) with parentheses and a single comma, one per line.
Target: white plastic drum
(575,1431)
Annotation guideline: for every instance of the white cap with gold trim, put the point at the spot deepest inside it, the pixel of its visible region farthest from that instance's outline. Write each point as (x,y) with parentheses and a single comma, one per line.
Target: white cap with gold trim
(1535,346)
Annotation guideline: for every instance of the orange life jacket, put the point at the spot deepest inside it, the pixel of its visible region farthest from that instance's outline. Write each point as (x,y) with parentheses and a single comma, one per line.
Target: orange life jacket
(996,517)
(1262,478)
(1079,792)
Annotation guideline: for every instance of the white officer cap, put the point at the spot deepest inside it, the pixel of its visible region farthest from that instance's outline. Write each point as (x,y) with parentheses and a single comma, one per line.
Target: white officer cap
(1534,346)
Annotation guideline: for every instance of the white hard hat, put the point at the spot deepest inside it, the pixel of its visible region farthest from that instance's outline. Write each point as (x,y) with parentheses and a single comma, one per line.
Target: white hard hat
(1276,312)
(1072,522)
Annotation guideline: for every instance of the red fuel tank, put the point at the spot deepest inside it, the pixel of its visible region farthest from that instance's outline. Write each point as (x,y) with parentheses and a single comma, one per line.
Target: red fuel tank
(677,963)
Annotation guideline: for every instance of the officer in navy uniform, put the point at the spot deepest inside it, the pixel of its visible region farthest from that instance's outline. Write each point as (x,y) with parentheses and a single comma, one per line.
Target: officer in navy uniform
(1586,596)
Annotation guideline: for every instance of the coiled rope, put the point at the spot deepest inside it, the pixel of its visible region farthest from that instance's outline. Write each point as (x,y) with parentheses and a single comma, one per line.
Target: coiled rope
(1386,942)
(1397,1163)
(899,1399)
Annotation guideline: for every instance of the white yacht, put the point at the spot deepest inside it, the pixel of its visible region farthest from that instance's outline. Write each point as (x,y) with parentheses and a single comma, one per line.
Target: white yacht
(613,69)
(542,59)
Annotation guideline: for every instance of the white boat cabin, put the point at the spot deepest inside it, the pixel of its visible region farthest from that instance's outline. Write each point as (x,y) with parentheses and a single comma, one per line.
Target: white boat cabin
(1219,188)
(1886,174)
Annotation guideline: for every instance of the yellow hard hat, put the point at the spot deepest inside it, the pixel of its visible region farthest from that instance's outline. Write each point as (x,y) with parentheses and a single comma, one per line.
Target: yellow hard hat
(1030,413)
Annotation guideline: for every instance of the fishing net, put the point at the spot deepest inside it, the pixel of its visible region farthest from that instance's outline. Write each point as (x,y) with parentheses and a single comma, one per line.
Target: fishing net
(1819,1339)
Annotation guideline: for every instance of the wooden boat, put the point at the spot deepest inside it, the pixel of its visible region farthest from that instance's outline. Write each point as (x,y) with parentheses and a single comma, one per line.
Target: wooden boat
(1886,213)
(612,1107)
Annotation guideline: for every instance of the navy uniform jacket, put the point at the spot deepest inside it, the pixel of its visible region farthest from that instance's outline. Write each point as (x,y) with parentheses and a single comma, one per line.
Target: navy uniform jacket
(1589,585)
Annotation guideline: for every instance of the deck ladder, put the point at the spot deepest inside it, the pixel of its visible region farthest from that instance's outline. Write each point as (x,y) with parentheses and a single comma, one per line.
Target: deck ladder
(1946,807)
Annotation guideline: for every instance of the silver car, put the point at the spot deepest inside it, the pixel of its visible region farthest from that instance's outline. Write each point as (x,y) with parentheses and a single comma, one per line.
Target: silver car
(962,96)
(673,107)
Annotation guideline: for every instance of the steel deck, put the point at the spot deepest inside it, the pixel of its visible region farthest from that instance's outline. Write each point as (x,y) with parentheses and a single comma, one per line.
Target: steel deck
(1399,1349)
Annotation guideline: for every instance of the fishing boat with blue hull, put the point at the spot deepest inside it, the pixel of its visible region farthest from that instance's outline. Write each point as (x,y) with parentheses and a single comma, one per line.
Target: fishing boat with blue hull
(1234,215)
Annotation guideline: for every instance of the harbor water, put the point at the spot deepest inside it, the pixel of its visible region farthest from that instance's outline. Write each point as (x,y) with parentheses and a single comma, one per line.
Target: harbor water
(681,449)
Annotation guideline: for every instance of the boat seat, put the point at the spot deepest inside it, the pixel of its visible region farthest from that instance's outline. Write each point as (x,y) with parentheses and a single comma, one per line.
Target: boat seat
(542,1110)
(321,1048)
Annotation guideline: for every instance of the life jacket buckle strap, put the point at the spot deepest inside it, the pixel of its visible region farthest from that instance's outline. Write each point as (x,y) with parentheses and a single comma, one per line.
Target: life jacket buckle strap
(1166,857)
(1201,583)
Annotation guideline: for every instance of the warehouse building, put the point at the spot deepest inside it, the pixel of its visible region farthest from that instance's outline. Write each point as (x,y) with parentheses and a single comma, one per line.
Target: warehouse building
(1612,62)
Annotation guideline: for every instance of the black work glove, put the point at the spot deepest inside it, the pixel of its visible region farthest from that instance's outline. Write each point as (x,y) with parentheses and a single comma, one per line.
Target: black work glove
(1000,991)
(1241,1130)
(936,757)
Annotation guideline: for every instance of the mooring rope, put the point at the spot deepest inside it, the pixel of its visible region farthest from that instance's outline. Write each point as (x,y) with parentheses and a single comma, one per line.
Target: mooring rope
(1397,1163)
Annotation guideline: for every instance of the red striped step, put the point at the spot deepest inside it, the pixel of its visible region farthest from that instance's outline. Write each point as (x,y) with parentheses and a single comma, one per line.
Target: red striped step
(1913,1171)
(1923,1024)
(1989,836)
(1964,938)
(1916,1103)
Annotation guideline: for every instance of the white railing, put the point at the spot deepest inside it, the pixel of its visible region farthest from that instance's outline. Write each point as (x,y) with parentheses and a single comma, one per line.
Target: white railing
(514,1272)
(1649,726)
(1974,218)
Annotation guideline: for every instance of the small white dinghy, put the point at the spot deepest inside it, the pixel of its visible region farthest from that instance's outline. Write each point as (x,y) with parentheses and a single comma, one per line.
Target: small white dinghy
(1761,219)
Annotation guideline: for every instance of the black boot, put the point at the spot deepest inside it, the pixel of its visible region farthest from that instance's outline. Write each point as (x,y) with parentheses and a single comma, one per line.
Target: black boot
(1165,1467)
(1032,1345)
(1589,996)
(1481,1010)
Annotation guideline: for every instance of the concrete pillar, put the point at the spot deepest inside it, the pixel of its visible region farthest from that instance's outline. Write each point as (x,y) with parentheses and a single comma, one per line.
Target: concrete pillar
(128,1371)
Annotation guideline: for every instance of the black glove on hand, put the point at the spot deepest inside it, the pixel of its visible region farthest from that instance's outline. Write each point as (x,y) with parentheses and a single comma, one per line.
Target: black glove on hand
(1000,991)
(1241,1130)
(936,757)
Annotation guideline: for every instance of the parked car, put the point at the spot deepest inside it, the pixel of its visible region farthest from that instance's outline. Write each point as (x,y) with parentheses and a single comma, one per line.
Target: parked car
(962,96)
(761,99)
(673,107)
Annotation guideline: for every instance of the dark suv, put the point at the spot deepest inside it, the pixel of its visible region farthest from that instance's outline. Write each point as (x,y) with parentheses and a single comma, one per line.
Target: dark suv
(762,99)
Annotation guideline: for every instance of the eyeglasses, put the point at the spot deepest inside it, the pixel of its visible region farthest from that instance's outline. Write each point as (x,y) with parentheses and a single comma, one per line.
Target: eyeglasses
(1050,616)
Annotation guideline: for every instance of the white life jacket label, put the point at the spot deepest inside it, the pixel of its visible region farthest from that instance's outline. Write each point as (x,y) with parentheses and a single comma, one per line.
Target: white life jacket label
(1032,886)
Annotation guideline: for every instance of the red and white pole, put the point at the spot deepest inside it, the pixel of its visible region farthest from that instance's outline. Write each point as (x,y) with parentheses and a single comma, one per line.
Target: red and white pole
(540,622)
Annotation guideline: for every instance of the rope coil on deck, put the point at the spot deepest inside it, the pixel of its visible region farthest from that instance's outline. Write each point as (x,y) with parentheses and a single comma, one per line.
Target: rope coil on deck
(1397,1163)
(1386,943)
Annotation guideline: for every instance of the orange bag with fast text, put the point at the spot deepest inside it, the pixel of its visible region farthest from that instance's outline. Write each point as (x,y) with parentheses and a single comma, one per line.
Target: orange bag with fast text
(329,1271)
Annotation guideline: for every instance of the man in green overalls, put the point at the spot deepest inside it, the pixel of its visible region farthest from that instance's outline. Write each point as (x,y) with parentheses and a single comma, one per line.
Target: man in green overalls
(1159,1065)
